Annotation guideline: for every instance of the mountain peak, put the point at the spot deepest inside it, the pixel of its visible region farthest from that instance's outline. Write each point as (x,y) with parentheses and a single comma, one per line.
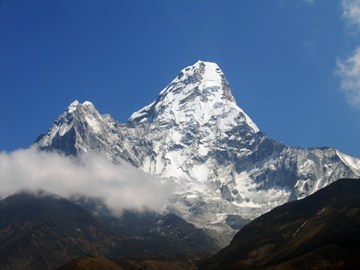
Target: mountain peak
(76,104)
(73,105)
(210,69)
(199,95)
(78,122)
(206,76)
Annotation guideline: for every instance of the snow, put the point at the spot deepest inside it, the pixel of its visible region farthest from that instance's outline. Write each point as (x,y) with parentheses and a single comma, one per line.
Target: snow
(299,228)
(88,103)
(249,204)
(203,150)
(176,137)
(173,166)
(322,210)
(93,123)
(199,172)
(350,161)
(63,129)
(72,107)
(141,112)
(177,103)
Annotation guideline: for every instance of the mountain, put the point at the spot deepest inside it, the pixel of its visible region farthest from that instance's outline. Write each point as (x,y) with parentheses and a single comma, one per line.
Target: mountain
(195,136)
(81,128)
(321,231)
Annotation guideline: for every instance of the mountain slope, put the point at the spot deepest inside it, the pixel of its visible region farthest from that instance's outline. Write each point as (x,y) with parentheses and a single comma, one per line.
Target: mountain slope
(44,231)
(98,263)
(158,235)
(321,231)
(91,263)
(195,136)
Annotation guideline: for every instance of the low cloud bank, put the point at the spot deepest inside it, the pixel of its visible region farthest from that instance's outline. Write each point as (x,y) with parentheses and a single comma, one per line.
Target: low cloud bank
(121,186)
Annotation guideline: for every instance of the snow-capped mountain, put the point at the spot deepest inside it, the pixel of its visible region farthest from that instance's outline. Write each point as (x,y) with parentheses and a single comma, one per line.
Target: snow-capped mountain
(81,128)
(196,136)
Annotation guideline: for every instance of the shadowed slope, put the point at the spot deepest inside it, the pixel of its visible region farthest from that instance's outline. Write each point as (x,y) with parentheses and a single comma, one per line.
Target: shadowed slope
(91,263)
(321,231)
(43,231)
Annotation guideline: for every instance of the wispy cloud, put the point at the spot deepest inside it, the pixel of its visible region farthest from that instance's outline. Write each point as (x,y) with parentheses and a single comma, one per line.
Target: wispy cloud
(121,186)
(351,12)
(348,69)
(349,73)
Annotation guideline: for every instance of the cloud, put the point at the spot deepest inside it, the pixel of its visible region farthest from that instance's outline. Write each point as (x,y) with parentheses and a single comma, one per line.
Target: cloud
(121,186)
(351,12)
(349,72)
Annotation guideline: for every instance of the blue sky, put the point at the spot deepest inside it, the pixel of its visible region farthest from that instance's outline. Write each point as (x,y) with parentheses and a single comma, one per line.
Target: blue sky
(293,66)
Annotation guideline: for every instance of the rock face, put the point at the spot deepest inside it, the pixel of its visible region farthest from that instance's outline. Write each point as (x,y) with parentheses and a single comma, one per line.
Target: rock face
(321,231)
(196,136)
(81,128)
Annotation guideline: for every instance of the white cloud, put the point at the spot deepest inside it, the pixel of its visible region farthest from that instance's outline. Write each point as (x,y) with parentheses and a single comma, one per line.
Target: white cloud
(348,69)
(349,73)
(313,1)
(351,12)
(121,186)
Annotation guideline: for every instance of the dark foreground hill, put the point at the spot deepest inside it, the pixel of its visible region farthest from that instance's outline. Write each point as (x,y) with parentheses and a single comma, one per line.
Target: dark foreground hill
(91,263)
(158,235)
(44,231)
(98,263)
(321,231)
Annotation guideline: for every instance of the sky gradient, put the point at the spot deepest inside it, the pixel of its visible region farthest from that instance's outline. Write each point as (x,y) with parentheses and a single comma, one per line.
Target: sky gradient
(293,66)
